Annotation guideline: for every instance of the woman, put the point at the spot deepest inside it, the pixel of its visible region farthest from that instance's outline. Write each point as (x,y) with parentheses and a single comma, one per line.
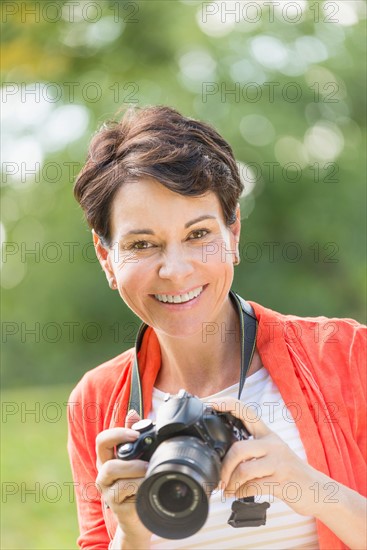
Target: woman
(160,192)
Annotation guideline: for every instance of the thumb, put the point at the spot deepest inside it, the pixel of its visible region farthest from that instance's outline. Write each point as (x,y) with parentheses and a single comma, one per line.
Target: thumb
(131,417)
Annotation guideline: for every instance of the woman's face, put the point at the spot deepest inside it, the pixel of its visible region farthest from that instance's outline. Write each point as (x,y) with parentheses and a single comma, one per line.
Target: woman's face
(171,256)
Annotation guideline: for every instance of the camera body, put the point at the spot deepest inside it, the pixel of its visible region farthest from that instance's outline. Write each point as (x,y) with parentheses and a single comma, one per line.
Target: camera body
(184,449)
(184,415)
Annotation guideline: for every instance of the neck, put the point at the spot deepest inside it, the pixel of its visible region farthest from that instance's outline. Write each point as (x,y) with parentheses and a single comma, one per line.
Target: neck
(204,363)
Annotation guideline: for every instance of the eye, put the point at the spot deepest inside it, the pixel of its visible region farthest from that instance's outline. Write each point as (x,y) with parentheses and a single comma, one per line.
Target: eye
(140,245)
(198,234)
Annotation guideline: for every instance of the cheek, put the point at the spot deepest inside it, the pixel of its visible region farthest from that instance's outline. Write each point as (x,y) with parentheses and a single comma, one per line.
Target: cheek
(133,274)
(218,253)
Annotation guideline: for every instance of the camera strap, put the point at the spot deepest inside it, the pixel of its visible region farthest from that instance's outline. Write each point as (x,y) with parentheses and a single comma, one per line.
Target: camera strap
(248,331)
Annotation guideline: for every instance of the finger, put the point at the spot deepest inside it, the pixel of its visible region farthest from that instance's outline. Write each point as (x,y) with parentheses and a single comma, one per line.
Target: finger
(266,487)
(116,469)
(247,414)
(250,471)
(240,452)
(121,492)
(108,439)
(131,417)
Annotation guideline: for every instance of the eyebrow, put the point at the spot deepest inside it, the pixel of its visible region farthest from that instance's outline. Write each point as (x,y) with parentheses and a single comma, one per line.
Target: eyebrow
(188,224)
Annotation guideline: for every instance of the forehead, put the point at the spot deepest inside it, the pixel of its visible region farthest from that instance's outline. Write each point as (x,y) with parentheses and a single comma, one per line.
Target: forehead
(148,202)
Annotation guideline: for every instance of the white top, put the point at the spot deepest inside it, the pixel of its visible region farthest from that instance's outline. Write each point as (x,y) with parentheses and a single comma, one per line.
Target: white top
(284,528)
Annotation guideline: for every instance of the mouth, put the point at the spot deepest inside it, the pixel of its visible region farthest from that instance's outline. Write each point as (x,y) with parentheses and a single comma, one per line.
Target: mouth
(180,298)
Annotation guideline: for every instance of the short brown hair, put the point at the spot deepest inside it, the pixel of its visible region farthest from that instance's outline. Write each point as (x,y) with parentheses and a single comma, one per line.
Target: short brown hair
(186,156)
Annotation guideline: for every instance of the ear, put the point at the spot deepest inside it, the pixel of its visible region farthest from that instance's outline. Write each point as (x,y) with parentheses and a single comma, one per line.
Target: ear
(103,255)
(235,229)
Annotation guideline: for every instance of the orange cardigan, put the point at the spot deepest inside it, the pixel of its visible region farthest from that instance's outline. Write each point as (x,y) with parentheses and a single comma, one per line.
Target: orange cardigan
(318,365)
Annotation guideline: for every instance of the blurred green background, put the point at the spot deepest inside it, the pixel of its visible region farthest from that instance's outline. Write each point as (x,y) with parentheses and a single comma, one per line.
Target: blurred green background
(284,82)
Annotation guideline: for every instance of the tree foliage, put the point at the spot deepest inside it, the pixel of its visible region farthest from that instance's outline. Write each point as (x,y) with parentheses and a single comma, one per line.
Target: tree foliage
(284,85)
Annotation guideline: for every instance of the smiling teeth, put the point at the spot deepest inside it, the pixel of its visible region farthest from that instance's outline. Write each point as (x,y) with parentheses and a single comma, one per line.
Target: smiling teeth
(179,298)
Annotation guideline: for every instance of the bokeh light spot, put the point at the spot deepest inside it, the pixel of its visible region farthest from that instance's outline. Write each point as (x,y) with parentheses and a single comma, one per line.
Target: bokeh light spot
(324,141)
(66,124)
(257,130)
(290,150)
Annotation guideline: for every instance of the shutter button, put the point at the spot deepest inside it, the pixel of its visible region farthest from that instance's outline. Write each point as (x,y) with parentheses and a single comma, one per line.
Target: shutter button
(142,425)
(125,449)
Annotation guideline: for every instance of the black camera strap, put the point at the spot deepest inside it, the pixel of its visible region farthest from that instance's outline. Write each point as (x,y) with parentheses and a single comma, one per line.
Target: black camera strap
(248,331)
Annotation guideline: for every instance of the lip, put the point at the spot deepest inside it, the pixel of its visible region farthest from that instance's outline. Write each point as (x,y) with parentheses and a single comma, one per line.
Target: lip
(185,305)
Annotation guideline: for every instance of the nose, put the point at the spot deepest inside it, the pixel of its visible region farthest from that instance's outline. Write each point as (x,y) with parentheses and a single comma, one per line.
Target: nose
(175,265)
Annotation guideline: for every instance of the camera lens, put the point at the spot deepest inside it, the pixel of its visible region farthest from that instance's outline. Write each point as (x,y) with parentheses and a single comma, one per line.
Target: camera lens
(175,496)
(173,500)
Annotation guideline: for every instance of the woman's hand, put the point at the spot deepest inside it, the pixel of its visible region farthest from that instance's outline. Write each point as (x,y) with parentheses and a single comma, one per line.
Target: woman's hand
(265,465)
(119,480)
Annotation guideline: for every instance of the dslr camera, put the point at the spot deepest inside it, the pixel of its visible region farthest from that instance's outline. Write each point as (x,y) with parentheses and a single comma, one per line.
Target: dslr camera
(184,449)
